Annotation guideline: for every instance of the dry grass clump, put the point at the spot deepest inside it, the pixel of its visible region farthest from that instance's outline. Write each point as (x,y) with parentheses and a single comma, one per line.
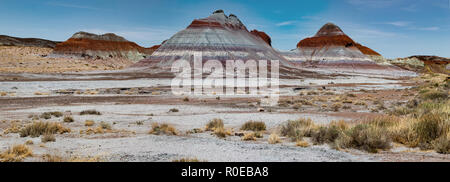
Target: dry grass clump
(174,110)
(297,129)
(302,143)
(364,137)
(336,106)
(57,158)
(274,139)
(3,93)
(442,144)
(37,129)
(221,132)
(214,124)
(68,119)
(48,115)
(41,93)
(89,123)
(16,154)
(328,134)
(435,95)
(187,160)
(166,129)
(105,126)
(360,103)
(90,112)
(48,137)
(254,126)
(249,136)
(15,128)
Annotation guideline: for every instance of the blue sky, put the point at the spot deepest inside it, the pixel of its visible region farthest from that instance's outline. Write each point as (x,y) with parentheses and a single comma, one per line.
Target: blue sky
(395,28)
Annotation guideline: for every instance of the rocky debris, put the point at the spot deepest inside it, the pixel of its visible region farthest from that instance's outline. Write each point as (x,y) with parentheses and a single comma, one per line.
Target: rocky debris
(27,42)
(106,46)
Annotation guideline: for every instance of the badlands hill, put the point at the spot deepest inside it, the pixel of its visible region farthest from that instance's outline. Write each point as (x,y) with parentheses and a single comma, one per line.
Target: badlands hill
(421,63)
(106,46)
(217,37)
(331,46)
(26,42)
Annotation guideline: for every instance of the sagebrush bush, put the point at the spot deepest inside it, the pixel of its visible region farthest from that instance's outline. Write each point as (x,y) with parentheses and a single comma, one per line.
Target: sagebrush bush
(37,129)
(254,126)
(213,124)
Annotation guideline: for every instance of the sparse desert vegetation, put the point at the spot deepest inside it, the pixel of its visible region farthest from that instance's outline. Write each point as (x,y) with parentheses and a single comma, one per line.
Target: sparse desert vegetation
(90,112)
(16,153)
(37,129)
(254,126)
(166,129)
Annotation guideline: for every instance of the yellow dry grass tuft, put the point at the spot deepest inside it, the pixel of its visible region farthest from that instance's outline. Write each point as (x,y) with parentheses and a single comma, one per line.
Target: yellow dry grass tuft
(158,129)
(16,154)
(274,139)
(37,129)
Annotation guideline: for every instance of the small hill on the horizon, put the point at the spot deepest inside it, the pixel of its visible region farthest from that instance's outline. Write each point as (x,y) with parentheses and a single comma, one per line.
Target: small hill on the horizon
(6,40)
(331,46)
(106,46)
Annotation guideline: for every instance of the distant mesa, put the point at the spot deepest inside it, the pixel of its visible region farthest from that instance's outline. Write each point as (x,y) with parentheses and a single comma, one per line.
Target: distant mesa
(106,46)
(26,42)
(218,37)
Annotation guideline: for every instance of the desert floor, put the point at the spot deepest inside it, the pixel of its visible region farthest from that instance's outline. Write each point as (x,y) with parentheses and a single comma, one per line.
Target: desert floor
(130,106)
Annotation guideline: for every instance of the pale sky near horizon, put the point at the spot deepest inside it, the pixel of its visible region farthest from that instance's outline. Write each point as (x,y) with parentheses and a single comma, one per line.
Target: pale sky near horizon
(394,28)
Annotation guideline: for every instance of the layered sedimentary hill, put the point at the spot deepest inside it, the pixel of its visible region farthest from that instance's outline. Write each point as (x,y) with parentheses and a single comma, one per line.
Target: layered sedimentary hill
(263,36)
(422,63)
(331,46)
(26,42)
(217,37)
(106,46)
